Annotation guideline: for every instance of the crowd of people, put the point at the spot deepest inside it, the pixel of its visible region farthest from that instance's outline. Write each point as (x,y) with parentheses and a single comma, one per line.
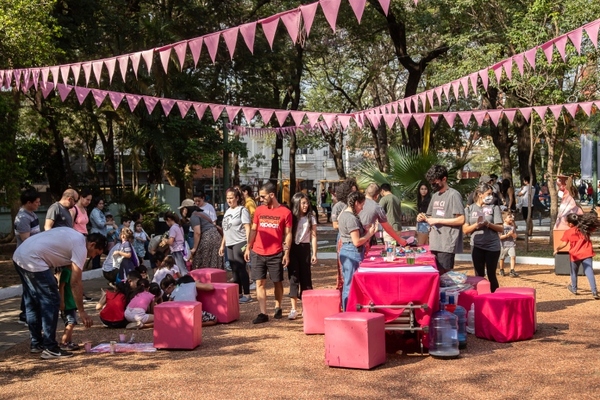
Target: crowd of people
(259,242)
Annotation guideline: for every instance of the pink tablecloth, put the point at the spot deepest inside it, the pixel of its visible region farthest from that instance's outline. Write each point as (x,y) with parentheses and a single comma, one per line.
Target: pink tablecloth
(373,259)
(396,286)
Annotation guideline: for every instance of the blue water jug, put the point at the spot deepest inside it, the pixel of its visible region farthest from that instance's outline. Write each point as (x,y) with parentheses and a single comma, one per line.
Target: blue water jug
(443,333)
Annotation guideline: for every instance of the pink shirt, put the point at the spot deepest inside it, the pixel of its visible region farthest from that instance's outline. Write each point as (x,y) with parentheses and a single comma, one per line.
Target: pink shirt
(81,220)
(141,300)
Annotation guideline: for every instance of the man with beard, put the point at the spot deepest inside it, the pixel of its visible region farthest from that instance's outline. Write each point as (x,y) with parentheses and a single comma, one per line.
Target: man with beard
(271,226)
(58,213)
(446,217)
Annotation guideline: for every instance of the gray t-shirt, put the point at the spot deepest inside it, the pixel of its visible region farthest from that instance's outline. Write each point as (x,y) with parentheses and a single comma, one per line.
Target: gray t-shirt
(233,225)
(348,223)
(484,238)
(205,223)
(509,241)
(444,238)
(371,213)
(337,209)
(26,221)
(60,215)
(391,205)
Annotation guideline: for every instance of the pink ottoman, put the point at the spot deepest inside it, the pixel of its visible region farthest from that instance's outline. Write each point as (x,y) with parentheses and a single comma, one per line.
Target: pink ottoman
(467,298)
(504,317)
(355,340)
(523,290)
(223,302)
(480,284)
(178,325)
(316,305)
(209,275)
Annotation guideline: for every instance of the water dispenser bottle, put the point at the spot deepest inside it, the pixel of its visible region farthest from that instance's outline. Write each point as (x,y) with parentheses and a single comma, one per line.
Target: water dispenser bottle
(471,320)
(443,333)
(461,314)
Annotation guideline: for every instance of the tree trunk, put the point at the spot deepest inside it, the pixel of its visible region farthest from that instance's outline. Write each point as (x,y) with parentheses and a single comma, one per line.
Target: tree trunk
(521,127)
(500,134)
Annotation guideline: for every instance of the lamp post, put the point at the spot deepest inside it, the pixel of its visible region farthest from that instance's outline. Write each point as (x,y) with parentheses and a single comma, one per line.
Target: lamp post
(213,185)
(280,180)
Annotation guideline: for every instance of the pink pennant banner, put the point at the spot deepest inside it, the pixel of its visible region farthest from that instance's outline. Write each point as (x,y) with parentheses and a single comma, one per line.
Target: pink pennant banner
(344,120)
(465,117)
(572,108)
(560,44)
(308,16)
(196,49)
(232,112)
(358,6)
(123,63)
(150,103)
(464,82)
(167,105)
(133,100)
(54,71)
(110,66)
(200,109)
(541,111)
(212,44)
(313,118)
(291,20)
(520,61)
(35,75)
(269,26)
(45,73)
(135,62)
(266,115)
(509,114)
(507,65)
(230,37)
(216,110)
(495,116)
(64,73)
(385,6)
(485,77)
(526,113)
(97,67)
(390,120)
(99,96)
(375,120)
(248,32)
(556,110)
(405,119)
(330,10)
(184,107)
(281,116)
(63,91)
(455,87)
(249,113)
(479,117)
(329,120)
(148,57)
(116,99)
(180,49)
(165,56)
(548,48)
(587,107)
(47,88)
(575,38)
(530,56)
(592,32)
(420,119)
(298,117)
(449,117)
(81,93)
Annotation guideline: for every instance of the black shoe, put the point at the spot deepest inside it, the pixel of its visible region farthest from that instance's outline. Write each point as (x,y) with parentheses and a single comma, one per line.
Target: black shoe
(278,313)
(261,318)
(513,274)
(501,273)
(22,322)
(36,349)
(574,291)
(87,299)
(55,353)
(595,295)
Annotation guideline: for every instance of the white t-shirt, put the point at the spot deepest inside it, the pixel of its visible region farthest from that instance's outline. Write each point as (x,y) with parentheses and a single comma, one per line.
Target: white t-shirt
(57,247)
(303,230)
(209,210)
(161,273)
(525,195)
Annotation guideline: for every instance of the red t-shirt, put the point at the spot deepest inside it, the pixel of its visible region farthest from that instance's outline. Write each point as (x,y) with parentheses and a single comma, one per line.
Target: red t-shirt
(270,229)
(581,248)
(114,310)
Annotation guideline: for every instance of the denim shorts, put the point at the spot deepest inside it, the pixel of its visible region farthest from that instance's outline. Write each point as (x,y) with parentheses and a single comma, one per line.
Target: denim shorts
(69,317)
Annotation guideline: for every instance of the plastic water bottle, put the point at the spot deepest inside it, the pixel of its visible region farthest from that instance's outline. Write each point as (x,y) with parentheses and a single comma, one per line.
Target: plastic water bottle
(471,320)
(390,252)
(443,333)
(461,314)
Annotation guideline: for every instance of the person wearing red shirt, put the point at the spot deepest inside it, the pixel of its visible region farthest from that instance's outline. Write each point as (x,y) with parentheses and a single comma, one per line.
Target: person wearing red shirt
(581,251)
(269,247)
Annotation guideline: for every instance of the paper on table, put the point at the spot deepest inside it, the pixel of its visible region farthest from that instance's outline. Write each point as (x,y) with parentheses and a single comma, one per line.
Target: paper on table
(412,268)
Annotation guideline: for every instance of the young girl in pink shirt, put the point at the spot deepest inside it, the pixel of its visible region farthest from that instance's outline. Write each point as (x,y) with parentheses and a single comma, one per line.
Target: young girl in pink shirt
(139,310)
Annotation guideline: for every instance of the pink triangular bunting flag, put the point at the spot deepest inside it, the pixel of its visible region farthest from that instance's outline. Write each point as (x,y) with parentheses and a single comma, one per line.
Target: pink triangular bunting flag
(313,117)
(110,66)
(429,94)
(446,90)
(423,98)
(575,38)
(390,120)
(212,44)
(180,49)
(587,107)
(385,6)
(560,44)
(438,94)
(150,103)
(434,118)
(464,82)
(541,111)
(45,72)
(54,70)
(63,90)
(81,93)
(133,100)
(248,32)
(230,37)
(269,26)
(249,113)
(196,49)
(449,117)
(358,6)
(266,114)
(473,79)
(200,109)
(148,57)
(97,67)
(282,116)
(47,88)
(507,65)
(526,112)
(116,98)
(216,110)
(99,96)
(556,110)
(297,116)
(308,16)
(35,75)
(165,56)
(572,108)
(291,20)
(76,69)
(374,118)
(495,116)
(167,105)
(344,120)
(135,62)
(405,119)
(123,63)
(465,117)
(455,87)
(510,114)
(485,78)
(420,119)
(520,61)
(330,10)
(479,117)
(232,112)
(64,73)
(498,72)
(548,48)
(592,32)
(530,56)
(184,107)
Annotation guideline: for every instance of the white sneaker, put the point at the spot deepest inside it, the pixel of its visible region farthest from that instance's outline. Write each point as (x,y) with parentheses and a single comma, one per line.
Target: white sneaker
(293,314)
(253,286)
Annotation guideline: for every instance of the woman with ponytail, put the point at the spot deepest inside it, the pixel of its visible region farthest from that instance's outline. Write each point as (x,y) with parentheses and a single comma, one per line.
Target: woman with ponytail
(353,238)
(581,251)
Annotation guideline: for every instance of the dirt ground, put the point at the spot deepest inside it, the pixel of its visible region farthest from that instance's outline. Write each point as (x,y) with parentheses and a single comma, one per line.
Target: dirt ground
(277,361)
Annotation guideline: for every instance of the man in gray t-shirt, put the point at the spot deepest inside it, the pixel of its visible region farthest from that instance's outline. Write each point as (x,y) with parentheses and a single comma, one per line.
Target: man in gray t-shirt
(446,217)
(58,213)
(26,222)
(373,213)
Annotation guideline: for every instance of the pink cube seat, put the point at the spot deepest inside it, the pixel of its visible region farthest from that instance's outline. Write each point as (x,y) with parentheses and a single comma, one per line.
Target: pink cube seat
(504,317)
(316,305)
(480,284)
(178,325)
(223,302)
(209,275)
(355,340)
(467,298)
(523,290)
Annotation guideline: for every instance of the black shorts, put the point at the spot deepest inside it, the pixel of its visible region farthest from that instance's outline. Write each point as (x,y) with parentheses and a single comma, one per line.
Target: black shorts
(261,264)
(444,261)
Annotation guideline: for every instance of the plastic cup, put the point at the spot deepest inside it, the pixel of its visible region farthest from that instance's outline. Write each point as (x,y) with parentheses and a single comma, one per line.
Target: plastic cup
(410,259)
(88,347)
(113,347)
(122,338)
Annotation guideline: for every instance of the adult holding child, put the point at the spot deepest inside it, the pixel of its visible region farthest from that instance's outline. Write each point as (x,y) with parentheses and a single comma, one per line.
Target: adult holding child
(568,203)
(483,221)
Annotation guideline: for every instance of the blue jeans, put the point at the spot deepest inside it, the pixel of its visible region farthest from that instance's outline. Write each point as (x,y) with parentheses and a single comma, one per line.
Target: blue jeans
(350,258)
(587,270)
(42,303)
